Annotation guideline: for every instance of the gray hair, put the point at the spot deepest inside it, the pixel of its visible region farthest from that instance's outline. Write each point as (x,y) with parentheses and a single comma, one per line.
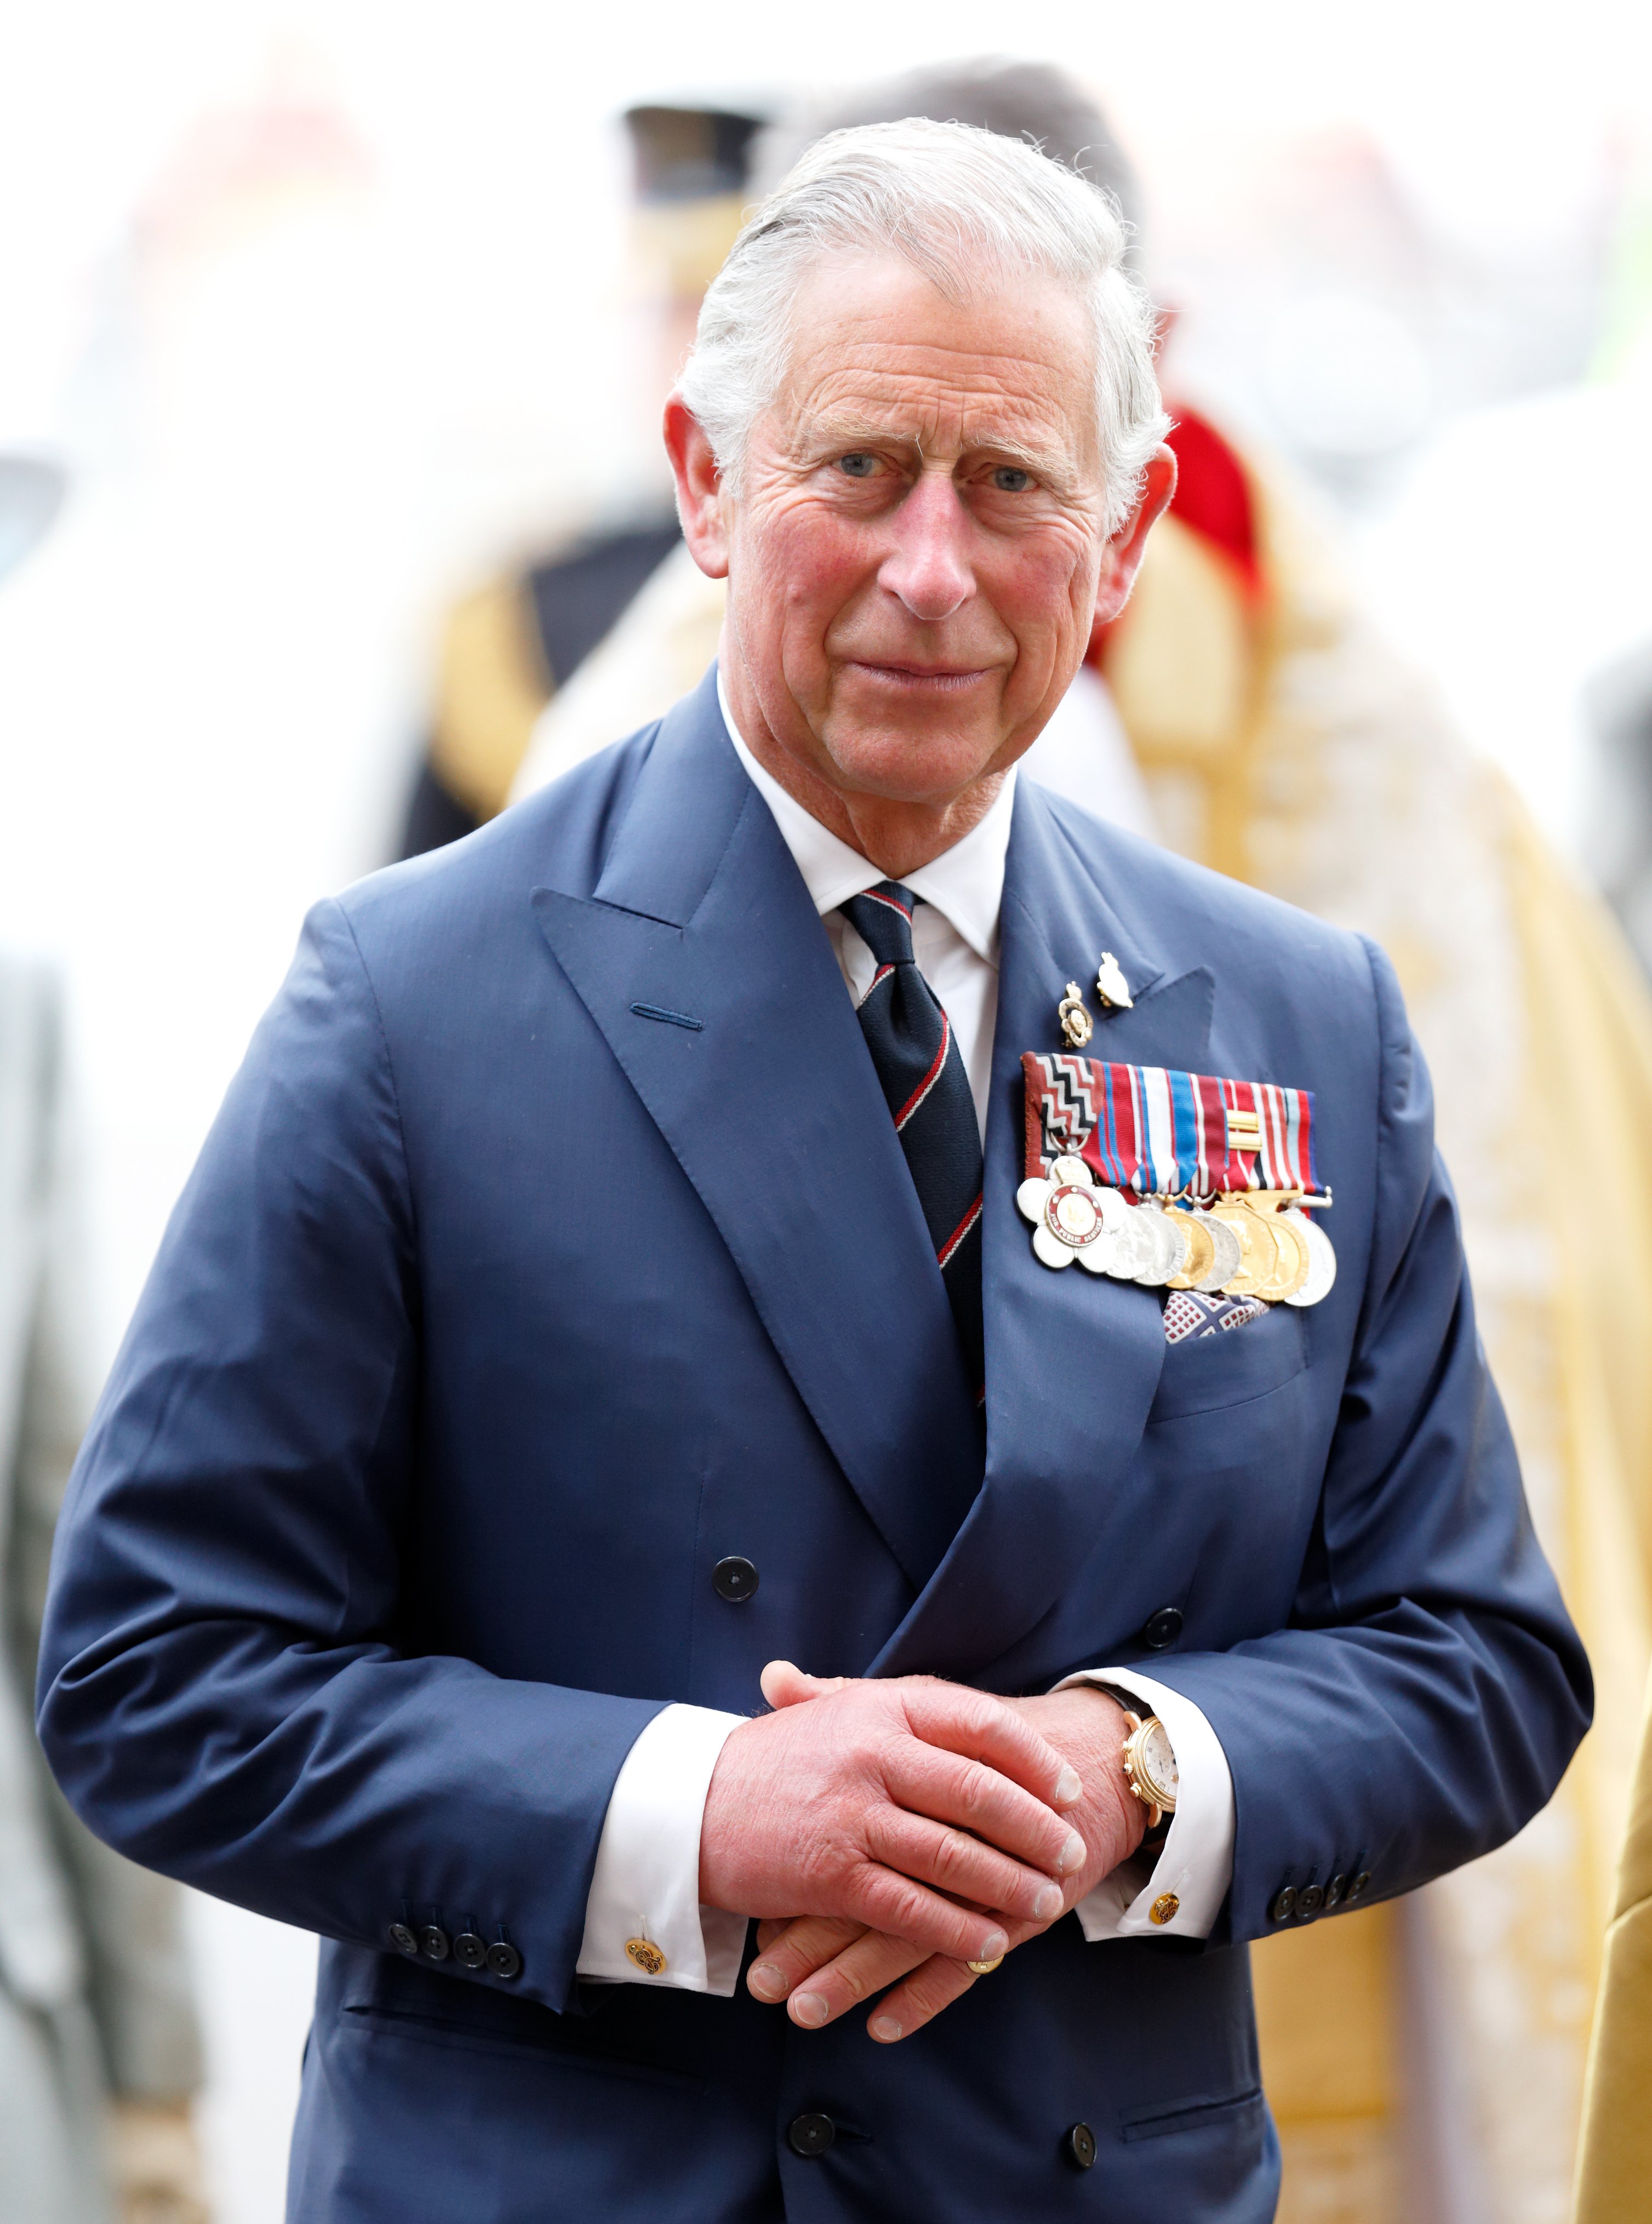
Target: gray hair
(1035,101)
(948,197)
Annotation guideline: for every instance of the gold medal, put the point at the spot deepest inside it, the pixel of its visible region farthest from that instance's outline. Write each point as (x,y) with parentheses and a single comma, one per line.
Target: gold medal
(1258,1250)
(1294,1261)
(1202,1252)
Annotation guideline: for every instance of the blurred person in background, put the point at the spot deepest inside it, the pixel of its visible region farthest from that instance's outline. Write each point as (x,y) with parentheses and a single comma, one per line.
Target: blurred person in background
(1423,2060)
(100,2054)
(507,647)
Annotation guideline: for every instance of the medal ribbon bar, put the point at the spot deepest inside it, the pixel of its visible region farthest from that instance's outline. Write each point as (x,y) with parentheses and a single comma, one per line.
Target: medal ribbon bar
(1161,1133)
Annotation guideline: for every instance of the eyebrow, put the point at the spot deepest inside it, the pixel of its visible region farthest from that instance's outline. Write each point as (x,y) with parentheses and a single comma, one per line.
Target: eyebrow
(831,434)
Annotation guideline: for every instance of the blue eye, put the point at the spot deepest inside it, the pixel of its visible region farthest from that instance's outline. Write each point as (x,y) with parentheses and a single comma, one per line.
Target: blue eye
(1009,479)
(857,466)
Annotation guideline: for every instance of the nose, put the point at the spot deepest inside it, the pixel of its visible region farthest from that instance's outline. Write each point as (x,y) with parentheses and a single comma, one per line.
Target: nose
(928,564)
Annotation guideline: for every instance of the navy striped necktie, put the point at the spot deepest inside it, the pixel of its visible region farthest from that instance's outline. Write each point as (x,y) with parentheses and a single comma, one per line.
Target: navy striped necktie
(927,1092)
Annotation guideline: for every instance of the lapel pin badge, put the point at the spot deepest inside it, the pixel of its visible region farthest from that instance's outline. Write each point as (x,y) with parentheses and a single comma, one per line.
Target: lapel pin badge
(1076,1023)
(1111,985)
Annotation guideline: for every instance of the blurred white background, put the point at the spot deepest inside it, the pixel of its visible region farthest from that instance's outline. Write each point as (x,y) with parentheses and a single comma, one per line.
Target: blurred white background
(326,308)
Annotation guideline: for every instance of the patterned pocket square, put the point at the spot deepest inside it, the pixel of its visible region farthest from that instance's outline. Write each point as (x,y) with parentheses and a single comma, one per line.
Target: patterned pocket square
(1191,1313)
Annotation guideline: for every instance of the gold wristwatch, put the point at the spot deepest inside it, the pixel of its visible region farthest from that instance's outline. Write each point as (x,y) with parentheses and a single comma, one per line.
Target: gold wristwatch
(1149,1762)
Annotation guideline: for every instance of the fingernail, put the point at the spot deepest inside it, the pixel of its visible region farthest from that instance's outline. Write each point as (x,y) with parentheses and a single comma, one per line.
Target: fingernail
(1048,1904)
(995,1944)
(885,2029)
(810,2010)
(1072,1855)
(1068,1787)
(766,1981)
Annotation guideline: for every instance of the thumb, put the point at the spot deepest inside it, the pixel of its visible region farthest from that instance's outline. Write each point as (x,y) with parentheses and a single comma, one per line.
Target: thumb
(784,1685)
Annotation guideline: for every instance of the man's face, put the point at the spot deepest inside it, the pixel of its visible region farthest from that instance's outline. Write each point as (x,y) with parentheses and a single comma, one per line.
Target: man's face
(915,552)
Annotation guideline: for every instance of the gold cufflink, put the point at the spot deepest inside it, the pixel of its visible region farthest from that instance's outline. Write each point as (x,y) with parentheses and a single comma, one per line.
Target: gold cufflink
(1163,1908)
(646,1956)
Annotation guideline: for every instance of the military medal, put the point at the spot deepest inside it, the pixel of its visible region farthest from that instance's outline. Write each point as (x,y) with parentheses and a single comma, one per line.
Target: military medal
(1177,1181)
(1072,1218)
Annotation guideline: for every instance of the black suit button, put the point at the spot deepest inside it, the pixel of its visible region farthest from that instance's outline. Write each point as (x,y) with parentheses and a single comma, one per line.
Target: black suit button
(435,1943)
(403,1939)
(1359,1885)
(1335,1892)
(1310,1900)
(1162,1628)
(1282,1906)
(470,1951)
(811,2133)
(736,1580)
(503,1960)
(1080,2146)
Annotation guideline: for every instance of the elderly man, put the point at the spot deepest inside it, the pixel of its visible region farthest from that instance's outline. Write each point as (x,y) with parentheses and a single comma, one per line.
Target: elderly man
(639,1253)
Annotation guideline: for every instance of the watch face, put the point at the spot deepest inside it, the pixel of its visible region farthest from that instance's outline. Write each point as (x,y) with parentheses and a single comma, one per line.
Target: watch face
(1157,1763)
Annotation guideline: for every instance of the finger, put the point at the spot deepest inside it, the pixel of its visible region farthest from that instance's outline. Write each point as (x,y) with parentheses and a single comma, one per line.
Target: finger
(784,1685)
(947,1788)
(795,1951)
(863,1967)
(773,1927)
(983,1727)
(960,1866)
(885,1901)
(934,1985)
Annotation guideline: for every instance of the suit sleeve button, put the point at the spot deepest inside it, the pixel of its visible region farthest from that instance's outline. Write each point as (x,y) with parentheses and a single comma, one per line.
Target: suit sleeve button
(403,1939)
(1359,1885)
(503,1960)
(1162,1629)
(1282,1906)
(435,1943)
(1335,1892)
(1080,2146)
(734,1579)
(470,1951)
(1310,1900)
(810,2134)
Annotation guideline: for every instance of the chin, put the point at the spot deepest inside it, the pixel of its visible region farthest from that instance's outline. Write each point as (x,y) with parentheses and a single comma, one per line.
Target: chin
(910,767)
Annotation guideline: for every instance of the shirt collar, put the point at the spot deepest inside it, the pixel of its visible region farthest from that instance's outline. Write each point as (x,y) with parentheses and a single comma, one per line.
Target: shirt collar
(965,883)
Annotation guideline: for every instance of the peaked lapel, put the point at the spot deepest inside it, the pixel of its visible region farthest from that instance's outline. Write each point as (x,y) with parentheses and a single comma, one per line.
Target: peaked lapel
(770,1104)
(1072,1360)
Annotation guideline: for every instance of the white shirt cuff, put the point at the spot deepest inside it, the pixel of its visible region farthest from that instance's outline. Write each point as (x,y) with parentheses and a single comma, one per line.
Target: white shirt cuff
(646,1883)
(1196,1865)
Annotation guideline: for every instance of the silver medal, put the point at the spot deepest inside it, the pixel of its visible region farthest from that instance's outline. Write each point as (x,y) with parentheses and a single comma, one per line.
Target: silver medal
(1321,1260)
(1228,1252)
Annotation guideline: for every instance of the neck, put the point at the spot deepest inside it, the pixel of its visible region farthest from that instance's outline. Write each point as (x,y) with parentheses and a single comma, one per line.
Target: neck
(894,834)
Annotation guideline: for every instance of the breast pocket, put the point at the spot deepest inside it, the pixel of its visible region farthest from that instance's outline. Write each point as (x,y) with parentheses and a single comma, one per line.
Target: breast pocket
(1232,1367)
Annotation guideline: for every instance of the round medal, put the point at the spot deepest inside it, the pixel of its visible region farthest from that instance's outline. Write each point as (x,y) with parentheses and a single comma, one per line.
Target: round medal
(1133,1246)
(1258,1250)
(1072,1214)
(1201,1251)
(1322,1259)
(1168,1247)
(1227,1254)
(1291,1272)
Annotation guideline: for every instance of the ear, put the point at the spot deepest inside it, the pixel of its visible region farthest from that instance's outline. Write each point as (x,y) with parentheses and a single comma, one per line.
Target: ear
(1123,554)
(699,488)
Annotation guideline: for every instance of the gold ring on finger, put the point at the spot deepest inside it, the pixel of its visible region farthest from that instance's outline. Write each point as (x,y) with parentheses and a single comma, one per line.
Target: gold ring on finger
(983,1969)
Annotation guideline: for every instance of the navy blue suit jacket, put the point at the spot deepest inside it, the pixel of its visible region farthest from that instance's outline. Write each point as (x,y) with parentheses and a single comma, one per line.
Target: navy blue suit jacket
(501,1307)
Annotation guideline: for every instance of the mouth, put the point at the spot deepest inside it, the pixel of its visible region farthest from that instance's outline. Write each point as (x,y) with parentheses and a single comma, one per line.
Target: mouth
(922,679)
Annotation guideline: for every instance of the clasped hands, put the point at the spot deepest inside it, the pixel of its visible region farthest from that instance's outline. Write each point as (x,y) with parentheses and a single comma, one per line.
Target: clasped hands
(889,1833)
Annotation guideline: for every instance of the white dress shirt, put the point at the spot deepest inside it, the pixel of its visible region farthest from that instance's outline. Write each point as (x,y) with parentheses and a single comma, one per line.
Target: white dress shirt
(645,1881)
